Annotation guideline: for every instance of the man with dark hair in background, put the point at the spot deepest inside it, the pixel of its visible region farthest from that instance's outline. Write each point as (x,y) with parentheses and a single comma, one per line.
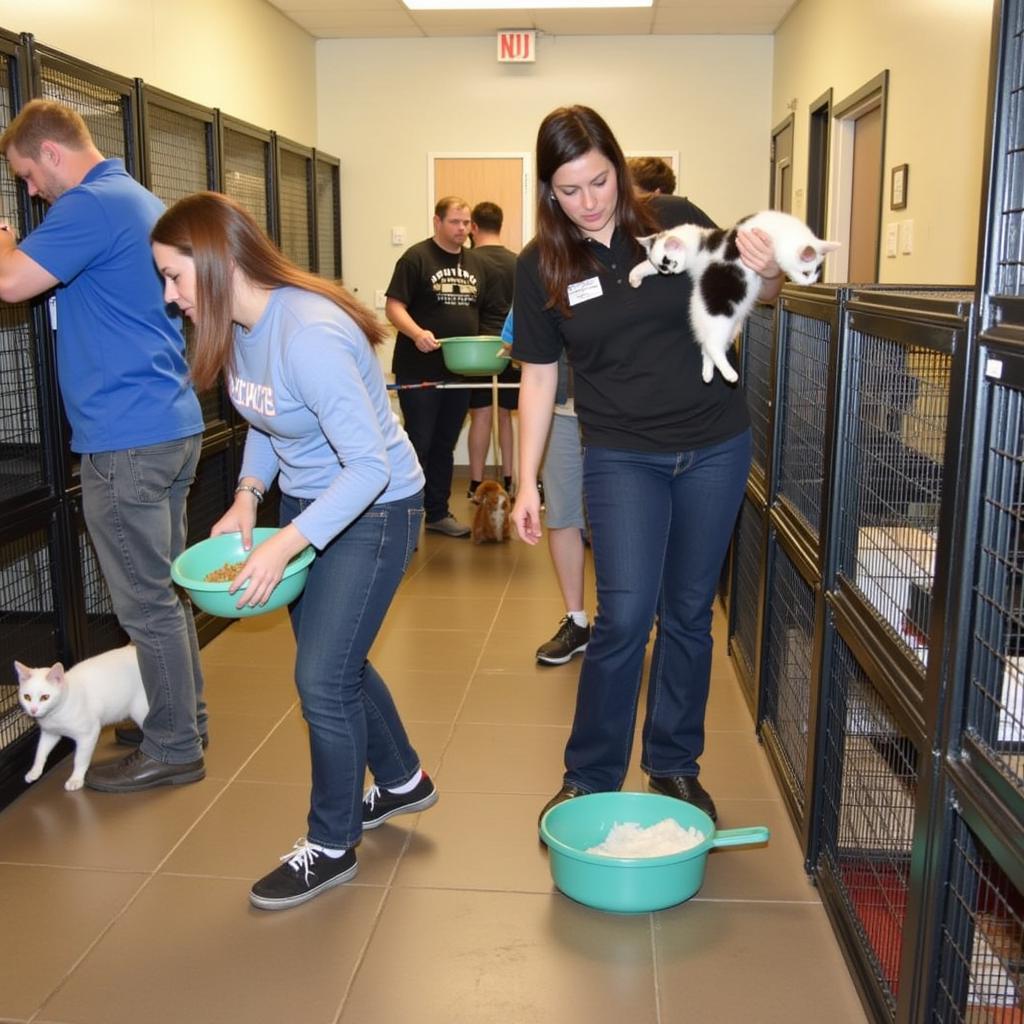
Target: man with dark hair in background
(652,174)
(486,223)
(134,417)
(439,289)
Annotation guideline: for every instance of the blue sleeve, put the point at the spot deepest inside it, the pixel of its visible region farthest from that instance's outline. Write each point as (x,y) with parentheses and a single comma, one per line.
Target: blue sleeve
(324,374)
(73,236)
(259,459)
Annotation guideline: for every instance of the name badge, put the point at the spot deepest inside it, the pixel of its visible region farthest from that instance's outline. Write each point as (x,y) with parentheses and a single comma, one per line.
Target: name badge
(582,291)
(51,306)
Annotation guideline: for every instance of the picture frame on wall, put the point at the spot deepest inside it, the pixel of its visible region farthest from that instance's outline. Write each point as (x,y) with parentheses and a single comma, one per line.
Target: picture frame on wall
(898,188)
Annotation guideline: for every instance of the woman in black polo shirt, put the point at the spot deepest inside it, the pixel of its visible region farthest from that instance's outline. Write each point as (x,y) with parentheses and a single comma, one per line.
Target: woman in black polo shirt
(666,456)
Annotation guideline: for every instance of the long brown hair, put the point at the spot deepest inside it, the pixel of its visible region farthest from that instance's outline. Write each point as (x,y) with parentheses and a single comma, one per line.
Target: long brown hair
(564,135)
(220,235)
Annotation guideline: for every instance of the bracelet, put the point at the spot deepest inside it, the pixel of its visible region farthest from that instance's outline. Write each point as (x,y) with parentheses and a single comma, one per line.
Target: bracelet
(254,491)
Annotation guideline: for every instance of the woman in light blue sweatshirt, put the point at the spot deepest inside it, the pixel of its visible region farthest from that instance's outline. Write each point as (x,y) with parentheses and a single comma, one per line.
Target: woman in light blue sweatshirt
(297,354)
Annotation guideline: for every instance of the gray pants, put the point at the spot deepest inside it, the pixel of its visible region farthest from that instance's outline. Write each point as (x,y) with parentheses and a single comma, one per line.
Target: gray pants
(134,504)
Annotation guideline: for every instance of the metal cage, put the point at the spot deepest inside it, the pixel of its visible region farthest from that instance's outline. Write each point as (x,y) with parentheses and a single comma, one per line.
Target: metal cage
(328,215)
(756,373)
(788,671)
(867,816)
(745,594)
(980,976)
(897,355)
(295,192)
(246,164)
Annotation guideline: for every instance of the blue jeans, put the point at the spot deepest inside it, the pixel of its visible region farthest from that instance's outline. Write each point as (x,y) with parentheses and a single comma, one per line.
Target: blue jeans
(134,504)
(660,527)
(433,419)
(353,722)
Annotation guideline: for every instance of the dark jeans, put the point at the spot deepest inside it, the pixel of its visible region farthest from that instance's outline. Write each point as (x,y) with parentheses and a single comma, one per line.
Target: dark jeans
(433,420)
(134,505)
(352,719)
(660,527)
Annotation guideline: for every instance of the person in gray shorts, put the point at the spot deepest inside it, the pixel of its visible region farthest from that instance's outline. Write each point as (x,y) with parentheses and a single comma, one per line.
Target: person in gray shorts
(562,478)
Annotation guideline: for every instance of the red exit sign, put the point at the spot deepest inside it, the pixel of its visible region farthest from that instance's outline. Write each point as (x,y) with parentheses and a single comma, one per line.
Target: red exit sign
(517,46)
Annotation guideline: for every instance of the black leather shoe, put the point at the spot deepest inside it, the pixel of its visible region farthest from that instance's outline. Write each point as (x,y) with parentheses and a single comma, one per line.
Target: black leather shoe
(567,792)
(682,787)
(137,771)
(131,736)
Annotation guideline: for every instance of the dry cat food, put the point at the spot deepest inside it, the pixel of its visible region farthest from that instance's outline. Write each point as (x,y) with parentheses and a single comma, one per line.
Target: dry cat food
(630,840)
(225,574)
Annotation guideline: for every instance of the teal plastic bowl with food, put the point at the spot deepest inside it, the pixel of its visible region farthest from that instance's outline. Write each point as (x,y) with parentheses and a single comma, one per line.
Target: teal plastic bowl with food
(217,555)
(630,885)
(474,355)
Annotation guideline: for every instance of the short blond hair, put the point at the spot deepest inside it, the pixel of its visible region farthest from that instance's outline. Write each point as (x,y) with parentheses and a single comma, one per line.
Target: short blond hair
(42,121)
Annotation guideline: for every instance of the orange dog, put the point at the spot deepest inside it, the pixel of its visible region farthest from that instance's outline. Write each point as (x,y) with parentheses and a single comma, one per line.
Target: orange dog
(491,523)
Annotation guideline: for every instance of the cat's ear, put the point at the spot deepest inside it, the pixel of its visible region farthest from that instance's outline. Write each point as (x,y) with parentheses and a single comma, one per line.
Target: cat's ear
(827,247)
(673,244)
(647,241)
(24,672)
(55,674)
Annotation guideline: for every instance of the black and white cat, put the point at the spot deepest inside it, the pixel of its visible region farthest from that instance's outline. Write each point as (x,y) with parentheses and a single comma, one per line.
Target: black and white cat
(79,702)
(724,288)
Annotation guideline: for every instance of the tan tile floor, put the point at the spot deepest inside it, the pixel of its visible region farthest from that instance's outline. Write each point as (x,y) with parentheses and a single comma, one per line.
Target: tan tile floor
(133,909)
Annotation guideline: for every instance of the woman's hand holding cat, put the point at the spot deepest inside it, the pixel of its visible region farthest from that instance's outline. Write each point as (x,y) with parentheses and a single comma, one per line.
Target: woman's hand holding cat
(757,251)
(264,568)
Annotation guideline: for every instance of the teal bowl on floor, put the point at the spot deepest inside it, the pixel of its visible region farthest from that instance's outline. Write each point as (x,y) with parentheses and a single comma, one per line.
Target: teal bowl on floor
(190,569)
(476,355)
(630,885)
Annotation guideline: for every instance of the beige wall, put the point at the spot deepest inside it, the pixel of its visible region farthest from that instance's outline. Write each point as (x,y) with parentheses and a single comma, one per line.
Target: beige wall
(242,56)
(937,53)
(385,104)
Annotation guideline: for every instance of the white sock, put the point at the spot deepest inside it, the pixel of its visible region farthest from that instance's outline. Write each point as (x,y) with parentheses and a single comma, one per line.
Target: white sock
(580,618)
(328,851)
(409,786)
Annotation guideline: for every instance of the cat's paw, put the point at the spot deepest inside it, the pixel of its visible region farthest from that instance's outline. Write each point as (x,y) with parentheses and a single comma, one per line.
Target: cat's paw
(34,774)
(730,374)
(72,784)
(635,279)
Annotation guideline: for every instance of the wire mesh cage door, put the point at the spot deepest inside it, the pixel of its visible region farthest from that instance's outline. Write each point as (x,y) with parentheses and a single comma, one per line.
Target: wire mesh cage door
(756,342)
(867,814)
(328,215)
(295,215)
(179,156)
(788,671)
(23,429)
(891,458)
(106,102)
(246,169)
(994,704)
(745,593)
(1001,280)
(980,962)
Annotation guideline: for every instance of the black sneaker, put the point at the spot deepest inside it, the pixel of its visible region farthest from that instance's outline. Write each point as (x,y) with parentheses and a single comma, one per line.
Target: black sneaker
(381,804)
(306,872)
(569,640)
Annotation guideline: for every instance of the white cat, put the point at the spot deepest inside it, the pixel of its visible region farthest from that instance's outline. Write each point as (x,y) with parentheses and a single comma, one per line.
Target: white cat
(724,288)
(79,702)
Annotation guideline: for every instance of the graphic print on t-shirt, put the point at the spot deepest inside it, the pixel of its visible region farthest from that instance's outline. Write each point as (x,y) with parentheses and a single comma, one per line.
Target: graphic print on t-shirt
(247,394)
(454,286)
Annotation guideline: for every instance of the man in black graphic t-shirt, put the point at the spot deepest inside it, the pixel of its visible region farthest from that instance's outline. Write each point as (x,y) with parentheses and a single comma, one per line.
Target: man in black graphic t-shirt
(438,290)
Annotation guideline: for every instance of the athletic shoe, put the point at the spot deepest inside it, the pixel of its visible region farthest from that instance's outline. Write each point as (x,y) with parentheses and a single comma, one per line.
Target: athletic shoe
(306,872)
(449,526)
(381,804)
(570,639)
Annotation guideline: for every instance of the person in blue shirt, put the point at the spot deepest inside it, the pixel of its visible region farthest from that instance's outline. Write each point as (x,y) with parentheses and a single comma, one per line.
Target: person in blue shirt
(135,420)
(297,352)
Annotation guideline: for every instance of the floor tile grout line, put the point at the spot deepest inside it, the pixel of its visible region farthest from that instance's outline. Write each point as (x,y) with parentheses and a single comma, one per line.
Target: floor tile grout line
(654,970)
(147,881)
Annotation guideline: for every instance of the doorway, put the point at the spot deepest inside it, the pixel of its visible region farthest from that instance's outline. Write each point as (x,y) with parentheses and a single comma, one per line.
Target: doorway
(500,178)
(782,166)
(857,184)
(817,163)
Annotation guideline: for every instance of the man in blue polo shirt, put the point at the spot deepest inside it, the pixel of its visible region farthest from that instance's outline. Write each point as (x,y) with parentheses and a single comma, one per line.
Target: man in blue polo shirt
(134,418)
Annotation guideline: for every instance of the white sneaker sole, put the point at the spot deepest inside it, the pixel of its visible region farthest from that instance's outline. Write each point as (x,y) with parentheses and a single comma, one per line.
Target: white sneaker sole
(263,903)
(547,660)
(421,805)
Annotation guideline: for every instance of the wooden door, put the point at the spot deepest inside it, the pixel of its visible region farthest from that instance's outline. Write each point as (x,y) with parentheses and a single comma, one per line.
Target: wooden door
(866,198)
(497,179)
